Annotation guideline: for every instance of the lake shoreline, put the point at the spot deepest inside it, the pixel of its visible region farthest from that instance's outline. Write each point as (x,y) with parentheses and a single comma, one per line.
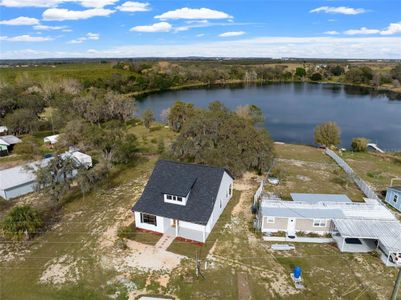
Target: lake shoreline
(227,83)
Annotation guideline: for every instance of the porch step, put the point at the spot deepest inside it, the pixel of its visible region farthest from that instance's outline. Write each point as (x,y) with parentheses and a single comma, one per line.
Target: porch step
(164,242)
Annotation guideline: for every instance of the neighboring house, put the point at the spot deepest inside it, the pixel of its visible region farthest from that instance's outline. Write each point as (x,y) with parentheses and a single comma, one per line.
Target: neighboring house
(21,180)
(183,200)
(393,197)
(354,226)
(3,130)
(7,143)
(51,139)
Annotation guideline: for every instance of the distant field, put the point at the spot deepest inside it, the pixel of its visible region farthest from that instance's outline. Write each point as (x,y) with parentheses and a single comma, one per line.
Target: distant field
(82,71)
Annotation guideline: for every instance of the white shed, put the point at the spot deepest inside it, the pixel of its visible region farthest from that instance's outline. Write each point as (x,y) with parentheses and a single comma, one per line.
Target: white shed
(51,139)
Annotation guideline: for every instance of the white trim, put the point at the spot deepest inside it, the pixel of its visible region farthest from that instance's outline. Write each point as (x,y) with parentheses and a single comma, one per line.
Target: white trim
(174,199)
(270,220)
(321,222)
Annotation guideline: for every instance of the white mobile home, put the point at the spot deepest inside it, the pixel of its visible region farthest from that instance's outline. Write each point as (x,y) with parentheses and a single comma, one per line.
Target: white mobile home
(183,200)
(354,226)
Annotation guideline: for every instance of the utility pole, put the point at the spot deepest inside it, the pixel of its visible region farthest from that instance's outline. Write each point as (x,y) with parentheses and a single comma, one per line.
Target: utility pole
(396,286)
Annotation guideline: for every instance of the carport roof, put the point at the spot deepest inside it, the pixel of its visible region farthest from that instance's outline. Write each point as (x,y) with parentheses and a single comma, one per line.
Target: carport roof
(388,232)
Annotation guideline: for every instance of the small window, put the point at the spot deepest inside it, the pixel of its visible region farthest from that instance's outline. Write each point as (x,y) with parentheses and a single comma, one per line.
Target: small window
(319,223)
(169,197)
(179,199)
(270,219)
(230,190)
(148,219)
(395,199)
(221,204)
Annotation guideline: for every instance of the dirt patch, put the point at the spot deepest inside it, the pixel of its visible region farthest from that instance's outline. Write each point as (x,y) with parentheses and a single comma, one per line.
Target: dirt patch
(60,270)
(244,292)
(248,185)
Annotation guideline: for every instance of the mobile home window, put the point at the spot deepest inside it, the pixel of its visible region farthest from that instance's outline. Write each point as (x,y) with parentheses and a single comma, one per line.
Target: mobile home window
(270,220)
(319,222)
(395,199)
(148,219)
(169,197)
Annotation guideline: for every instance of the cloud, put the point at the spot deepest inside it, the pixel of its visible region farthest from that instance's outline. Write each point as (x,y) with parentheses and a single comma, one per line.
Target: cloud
(339,10)
(200,35)
(20,21)
(380,47)
(25,38)
(157,27)
(231,33)
(46,27)
(362,30)
(131,6)
(55,3)
(61,14)
(331,32)
(193,13)
(393,28)
(88,36)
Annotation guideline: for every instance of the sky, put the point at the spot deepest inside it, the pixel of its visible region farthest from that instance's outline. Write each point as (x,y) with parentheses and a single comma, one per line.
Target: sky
(224,28)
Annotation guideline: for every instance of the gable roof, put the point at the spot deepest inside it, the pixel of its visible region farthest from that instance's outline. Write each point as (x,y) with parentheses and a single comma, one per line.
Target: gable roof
(177,178)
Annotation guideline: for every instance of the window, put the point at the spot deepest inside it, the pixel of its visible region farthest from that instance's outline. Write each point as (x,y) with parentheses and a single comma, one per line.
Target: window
(395,198)
(175,199)
(270,220)
(230,191)
(169,197)
(319,223)
(148,219)
(179,199)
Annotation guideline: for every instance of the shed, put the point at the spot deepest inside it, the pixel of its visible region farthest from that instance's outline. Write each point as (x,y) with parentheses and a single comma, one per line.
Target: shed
(3,130)
(51,139)
(7,143)
(20,180)
(83,159)
(393,197)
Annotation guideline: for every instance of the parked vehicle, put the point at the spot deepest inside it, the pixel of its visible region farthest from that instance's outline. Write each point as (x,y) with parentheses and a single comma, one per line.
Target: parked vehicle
(395,258)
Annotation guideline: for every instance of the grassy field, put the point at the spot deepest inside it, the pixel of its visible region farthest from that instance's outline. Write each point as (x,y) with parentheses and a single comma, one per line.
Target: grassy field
(80,71)
(376,169)
(305,169)
(239,263)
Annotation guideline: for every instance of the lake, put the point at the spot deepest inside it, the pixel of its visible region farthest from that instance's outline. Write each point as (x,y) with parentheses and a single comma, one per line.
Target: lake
(292,110)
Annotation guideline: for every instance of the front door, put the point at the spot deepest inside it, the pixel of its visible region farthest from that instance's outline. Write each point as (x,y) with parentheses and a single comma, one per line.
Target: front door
(173,222)
(291,226)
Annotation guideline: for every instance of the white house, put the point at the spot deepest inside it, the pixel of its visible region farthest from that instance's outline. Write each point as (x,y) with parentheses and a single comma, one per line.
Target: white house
(183,200)
(3,130)
(51,139)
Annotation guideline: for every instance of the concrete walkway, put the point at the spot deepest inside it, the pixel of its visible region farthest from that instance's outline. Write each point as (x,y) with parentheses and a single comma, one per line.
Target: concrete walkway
(164,242)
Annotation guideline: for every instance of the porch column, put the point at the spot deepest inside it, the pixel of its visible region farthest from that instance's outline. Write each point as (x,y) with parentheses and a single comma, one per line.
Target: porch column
(176,228)
(342,244)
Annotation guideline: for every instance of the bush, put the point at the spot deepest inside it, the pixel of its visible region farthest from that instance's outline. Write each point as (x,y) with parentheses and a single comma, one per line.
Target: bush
(22,221)
(359,144)
(126,232)
(316,77)
(327,134)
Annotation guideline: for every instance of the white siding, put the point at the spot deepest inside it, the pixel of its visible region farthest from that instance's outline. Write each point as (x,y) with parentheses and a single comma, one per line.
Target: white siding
(159,223)
(192,226)
(223,196)
(18,191)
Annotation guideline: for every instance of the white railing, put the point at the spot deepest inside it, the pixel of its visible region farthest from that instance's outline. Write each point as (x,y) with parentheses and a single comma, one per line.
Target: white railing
(363,186)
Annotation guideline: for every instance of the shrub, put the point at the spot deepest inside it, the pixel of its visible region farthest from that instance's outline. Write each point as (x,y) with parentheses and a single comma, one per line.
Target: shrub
(22,221)
(327,134)
(359,144)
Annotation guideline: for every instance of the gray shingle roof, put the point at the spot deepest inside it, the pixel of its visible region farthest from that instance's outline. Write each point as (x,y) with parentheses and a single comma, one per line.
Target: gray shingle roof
(176,178)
